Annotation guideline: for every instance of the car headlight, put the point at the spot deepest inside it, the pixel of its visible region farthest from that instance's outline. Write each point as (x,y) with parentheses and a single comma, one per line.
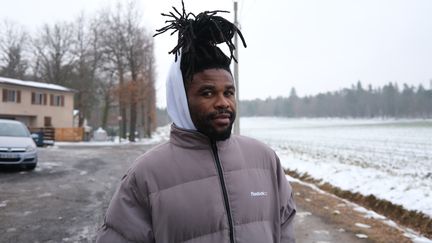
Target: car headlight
(30,148)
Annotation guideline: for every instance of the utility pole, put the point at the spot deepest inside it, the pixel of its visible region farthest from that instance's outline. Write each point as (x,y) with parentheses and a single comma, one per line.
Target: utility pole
(236,74)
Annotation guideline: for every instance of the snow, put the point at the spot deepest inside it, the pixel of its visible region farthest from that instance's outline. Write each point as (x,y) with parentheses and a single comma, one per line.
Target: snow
(337,212)
(34,84)
(161,134)
(362,236)
(11,230)
(3,204)
(418,239)
(303,214)
(322,232)
(391,159)
(369,214)
(364,226)
(47,194)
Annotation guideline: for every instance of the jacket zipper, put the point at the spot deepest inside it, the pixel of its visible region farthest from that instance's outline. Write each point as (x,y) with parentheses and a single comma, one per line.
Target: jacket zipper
(224,190)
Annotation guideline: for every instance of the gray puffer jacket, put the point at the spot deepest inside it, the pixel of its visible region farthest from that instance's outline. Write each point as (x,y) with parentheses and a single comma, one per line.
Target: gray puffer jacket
(193,190)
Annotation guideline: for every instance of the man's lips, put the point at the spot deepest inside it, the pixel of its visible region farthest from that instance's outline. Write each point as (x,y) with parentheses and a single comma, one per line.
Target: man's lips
(222,119)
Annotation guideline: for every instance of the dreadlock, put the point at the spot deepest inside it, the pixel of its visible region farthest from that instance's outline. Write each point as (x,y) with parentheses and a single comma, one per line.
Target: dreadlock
(198,36)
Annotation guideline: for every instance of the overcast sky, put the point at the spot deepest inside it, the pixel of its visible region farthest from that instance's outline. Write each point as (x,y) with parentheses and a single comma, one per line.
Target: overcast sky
(312,45)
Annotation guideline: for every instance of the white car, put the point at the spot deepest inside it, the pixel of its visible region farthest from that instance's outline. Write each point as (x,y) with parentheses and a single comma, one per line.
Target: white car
(16,145)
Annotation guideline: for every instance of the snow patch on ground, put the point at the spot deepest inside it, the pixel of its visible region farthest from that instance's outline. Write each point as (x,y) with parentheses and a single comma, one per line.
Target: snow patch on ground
(418,239)
(369,214)
(322,232)
(362,236)
(47,194)
(303,214)
(364,226)
(161,134)
(3,203)
(46,165)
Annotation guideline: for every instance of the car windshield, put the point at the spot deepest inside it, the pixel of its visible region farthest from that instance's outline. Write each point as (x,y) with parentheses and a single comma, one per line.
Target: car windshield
(13,130)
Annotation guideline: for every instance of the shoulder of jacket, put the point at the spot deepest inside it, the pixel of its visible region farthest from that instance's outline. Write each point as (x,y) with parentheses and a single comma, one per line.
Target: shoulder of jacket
(152,157)
(144,165)
(252,143)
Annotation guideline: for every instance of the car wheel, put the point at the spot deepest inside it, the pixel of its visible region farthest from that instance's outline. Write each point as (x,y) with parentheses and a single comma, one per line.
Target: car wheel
(30,167)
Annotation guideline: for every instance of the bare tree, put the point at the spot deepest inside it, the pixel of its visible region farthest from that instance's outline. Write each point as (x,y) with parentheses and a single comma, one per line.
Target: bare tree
(87,56)
(52,51)
(107,92)
(136,44)
(148,93)
(13,45)
(126,44)
(111,40)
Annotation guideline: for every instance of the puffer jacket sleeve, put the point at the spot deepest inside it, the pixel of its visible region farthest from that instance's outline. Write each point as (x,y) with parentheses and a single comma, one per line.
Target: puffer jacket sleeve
(128,218)
(288,208)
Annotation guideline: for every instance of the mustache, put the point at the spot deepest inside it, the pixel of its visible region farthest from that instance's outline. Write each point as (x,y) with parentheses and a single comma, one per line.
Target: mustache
(212,115)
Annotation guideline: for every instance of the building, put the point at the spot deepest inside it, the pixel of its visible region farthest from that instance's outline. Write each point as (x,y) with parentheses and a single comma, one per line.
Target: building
(36,104)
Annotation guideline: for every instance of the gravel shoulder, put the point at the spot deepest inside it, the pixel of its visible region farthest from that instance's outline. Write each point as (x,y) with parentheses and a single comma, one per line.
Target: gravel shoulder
(340,218)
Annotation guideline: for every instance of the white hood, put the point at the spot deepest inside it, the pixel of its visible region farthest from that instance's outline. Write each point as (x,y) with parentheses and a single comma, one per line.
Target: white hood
(177,105)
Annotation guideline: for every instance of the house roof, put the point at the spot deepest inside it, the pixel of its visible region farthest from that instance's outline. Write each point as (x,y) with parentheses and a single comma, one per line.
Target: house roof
(34,84)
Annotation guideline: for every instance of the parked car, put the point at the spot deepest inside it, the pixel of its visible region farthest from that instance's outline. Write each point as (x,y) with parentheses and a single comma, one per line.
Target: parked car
(16,145)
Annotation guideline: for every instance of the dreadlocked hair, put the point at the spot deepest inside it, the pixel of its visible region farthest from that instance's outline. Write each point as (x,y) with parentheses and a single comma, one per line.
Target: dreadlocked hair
(198,37)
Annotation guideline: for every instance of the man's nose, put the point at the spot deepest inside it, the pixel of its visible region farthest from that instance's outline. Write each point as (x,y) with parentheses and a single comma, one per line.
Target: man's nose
(222,102)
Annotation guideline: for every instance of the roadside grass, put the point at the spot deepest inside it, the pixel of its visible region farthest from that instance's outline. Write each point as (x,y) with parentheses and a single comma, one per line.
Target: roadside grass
(408,218)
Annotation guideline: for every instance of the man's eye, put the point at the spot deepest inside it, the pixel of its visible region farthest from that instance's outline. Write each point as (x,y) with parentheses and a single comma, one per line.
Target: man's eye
(229,93)
(206,93)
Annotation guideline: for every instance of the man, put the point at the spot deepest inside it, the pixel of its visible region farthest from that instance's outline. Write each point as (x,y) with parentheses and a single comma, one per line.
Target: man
(204,184)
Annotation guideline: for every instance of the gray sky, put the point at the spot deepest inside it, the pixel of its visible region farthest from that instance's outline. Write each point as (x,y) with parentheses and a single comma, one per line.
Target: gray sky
(313,45)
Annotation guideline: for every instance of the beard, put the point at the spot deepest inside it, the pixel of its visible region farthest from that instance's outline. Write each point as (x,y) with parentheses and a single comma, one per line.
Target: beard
(205,126)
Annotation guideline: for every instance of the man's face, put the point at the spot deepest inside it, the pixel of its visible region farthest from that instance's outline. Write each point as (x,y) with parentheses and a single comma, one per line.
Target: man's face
(211,98)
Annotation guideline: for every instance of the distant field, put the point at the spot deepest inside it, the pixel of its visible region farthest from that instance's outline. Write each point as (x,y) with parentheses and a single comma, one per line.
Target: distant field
(391,159)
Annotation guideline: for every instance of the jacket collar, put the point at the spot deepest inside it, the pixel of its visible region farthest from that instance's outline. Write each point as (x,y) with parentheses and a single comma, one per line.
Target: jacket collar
(194,140)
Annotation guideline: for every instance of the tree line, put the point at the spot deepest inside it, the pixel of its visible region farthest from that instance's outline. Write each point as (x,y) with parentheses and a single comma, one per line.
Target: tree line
(108,59)
(355,102)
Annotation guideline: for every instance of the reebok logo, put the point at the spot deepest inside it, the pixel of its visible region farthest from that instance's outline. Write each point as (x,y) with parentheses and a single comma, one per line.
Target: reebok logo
(258,194)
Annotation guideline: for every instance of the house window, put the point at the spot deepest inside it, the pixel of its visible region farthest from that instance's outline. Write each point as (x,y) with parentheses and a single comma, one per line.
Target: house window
(57,100)
(10,95)
(39,98)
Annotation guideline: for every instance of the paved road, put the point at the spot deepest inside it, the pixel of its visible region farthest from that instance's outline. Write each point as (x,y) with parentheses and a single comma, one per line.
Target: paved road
(65,198)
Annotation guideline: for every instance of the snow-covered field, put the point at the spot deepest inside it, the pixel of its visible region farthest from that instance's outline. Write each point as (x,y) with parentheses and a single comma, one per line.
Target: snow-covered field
(391,159)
